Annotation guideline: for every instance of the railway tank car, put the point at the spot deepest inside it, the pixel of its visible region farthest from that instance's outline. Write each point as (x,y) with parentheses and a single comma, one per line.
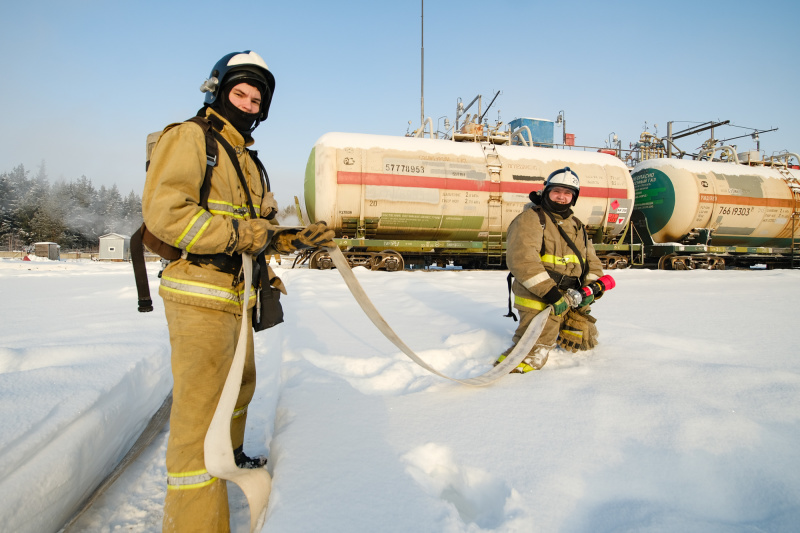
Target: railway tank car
(396,201)
(729,212)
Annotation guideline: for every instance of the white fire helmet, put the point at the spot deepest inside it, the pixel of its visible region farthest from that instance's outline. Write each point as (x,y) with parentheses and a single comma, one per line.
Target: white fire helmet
(564,177)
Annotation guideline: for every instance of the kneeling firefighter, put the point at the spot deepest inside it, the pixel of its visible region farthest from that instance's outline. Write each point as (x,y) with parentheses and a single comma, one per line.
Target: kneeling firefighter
(554,267)
(207,199)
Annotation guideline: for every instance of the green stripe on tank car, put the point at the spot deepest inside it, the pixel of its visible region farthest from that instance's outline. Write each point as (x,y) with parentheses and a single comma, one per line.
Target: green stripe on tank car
(418,220)
(310,186)
(410,220)
(462,222)
(655,197)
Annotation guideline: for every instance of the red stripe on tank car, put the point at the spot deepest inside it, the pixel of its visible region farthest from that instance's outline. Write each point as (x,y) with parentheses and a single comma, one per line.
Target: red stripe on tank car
(456,184)
(745,200)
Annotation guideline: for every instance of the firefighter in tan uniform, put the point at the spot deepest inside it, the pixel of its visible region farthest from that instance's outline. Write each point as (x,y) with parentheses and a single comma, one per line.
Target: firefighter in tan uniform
(202,291)
(552,261)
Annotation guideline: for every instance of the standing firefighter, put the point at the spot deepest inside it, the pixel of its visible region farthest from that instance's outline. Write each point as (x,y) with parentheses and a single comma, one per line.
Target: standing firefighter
(210,209)
(554,266)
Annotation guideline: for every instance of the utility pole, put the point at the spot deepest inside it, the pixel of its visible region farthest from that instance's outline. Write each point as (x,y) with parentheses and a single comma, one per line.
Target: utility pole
(422,64)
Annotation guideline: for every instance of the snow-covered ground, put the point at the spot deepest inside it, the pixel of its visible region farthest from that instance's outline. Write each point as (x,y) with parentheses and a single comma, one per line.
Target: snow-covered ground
(685,418)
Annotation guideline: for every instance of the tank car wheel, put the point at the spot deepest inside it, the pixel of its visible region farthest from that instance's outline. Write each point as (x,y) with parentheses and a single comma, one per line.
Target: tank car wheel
(678,264)
(320,260)
(666,263)
(716,263)
(614,262)
(393,261)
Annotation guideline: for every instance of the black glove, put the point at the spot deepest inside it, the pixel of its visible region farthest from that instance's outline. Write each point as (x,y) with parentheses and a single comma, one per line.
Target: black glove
(312,236)
(556,300)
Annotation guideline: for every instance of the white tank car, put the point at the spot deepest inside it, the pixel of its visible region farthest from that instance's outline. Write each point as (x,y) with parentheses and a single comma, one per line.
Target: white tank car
(744,205)
(392,188)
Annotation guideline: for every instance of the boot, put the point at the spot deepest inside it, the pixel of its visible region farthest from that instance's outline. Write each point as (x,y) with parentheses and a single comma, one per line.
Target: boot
(503,356)
(534,361)
(243,461)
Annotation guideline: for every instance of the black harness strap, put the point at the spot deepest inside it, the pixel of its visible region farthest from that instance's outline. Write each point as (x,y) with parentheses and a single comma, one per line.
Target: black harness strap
(261,273)
(235,161)
(510,309)
(230,264)
(583,262)
(140,272)
(212,158)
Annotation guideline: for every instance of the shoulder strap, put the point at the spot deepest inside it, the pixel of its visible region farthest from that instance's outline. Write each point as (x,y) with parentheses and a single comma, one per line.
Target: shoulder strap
(212,156)
(235,161)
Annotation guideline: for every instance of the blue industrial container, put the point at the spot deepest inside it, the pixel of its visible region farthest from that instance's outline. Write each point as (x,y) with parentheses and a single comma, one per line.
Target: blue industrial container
(542,130)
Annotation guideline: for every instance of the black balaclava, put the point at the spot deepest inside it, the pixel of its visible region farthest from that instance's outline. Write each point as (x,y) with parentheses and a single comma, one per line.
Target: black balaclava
(542,198)
(244,123)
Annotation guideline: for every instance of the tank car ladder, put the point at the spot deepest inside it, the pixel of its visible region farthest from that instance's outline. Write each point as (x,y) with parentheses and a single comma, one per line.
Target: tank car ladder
(494,222)
(794,186)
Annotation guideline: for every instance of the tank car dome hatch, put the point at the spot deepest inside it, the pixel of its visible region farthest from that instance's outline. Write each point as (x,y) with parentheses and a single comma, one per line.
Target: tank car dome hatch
(741,205)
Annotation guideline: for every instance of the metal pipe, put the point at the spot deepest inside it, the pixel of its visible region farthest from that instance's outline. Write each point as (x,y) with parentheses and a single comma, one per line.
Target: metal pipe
(518,133)
(709,152)
(421,131)
(669,139)
(786,156)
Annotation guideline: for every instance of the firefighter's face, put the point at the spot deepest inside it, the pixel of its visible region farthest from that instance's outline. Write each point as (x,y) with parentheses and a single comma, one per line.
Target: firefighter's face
(561,195)
(245,97)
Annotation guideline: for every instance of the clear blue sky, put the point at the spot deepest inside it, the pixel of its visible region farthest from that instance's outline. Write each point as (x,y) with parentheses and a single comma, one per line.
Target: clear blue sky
(85,81)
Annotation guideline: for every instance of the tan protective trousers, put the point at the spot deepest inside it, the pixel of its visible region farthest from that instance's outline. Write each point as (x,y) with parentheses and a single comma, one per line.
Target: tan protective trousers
(203,343)
(549,333)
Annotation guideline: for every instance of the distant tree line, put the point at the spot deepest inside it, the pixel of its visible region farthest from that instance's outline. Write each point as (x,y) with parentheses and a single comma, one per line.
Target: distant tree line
(73,215)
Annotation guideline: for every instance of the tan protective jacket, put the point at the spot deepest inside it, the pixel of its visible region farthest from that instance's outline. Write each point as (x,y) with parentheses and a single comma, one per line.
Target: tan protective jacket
(532,251)
(172,212)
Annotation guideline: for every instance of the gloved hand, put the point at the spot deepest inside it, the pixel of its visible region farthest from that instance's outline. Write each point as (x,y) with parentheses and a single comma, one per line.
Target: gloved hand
(557,301)
(253,235)
(269,207)
(590,334)
(312,236)
(578,331)
(570,338)
(560,307)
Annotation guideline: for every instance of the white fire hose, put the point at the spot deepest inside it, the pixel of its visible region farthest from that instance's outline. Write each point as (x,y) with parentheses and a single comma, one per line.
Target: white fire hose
(256,483)
(509,363)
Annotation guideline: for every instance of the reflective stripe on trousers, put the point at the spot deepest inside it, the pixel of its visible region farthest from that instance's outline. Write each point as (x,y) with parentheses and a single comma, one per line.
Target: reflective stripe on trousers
(189,480)
(240,412)
(204,290)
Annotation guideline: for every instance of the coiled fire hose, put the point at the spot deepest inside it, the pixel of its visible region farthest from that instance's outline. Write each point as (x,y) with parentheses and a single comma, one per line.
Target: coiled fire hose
(516,356)
(256,483)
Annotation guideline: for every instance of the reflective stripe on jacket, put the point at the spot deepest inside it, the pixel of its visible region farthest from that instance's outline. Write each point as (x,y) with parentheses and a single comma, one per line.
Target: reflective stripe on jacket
(532,251)
(172,211)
